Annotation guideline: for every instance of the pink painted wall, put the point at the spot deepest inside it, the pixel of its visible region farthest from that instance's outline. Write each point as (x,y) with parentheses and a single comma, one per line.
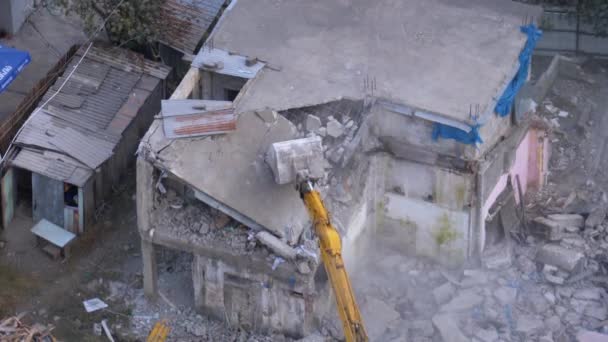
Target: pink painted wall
(526,165)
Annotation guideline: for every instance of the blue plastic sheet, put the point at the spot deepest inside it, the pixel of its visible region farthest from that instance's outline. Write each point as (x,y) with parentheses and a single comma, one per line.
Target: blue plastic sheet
(505,103)
(12,61)
(449,132)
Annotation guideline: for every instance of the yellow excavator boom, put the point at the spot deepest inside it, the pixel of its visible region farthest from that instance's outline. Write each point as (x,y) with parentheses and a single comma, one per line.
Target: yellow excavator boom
(331,254)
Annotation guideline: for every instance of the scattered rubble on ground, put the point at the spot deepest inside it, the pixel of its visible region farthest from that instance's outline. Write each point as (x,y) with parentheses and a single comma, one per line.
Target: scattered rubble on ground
(13,329)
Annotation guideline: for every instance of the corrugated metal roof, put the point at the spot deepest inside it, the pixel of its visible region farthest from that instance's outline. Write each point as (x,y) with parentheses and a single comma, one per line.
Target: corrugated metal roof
(223,62)
(189,118)
(77,131)
(185,22)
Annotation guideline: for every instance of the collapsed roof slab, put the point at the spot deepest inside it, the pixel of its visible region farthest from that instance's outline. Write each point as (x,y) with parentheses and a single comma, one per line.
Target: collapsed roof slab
(229,173)
(439,56)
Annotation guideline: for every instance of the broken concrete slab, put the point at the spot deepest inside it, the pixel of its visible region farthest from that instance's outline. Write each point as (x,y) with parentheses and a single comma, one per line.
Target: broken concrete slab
(592,293)
(591,336)
(556,255)
(487,335)
(268,116)
(313,123)
(546,228)
(596,217)
(506,295)
(448,328)
(465,300)
(277,246)
(289,158)
(566,220)
(499,257)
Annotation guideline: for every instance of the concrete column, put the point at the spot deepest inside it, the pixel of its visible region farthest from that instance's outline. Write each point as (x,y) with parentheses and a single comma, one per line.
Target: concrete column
(145,194)
(150,269)
(206,85)
(198,281)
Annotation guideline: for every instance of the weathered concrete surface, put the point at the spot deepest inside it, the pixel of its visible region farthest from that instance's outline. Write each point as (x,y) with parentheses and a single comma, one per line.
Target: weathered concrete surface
(231,169)
(444,43)
(288,158)
(448,328)
(556,255)
(276,245)
(47,38)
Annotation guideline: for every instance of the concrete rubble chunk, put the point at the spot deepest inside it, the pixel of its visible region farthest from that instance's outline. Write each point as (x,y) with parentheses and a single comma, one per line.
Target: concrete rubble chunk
(377,315)
(448,328)
(277,246)
(313,123)
(312,338)
(529,324)
(592,293)
(486,335)
(506,295)
(596,310)
(423,328)
(556,255)
(444,293)
(499,257)
(547,229)
(553,275)
(566,220)
(269,116)
(591,336)
(474,278)
(553,323)
(287,158)
(334,128)
(465,300)
(596,217)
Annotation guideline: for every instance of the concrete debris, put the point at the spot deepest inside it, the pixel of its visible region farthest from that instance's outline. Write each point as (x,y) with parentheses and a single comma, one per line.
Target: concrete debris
(556,255)
(487,335)
(334,128)
(376,314)
(596,217)
(313,123)
(465,300)
(497,257)
(336,155)
(269,116)
(547,229)
(322,131)
(591,336)
(529,325)
(422,328)
(448,328)
(313,338)
(566,220)
(593,293)
(506,295)
(277,246)
(303,267)
(562,114)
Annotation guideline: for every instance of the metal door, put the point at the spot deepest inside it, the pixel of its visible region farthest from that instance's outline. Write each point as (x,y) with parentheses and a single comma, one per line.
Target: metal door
(47,199)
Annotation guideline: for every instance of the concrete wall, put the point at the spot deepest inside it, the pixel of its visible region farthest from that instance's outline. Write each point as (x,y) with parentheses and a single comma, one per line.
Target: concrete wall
(253,300)
(13,14)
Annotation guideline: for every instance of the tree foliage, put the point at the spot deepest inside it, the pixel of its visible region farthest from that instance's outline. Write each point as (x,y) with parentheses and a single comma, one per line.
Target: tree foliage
(593,12)
(129,22)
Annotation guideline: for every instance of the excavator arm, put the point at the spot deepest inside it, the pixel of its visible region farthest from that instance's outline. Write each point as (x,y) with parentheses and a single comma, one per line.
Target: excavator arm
(331,254)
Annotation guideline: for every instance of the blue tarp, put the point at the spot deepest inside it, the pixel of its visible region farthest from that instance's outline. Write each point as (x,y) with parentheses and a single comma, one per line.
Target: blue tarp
(12,61)
(504,104)
(449,132)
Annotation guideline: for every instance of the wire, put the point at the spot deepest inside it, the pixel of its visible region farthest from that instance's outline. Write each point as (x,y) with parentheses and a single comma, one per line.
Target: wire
(65,81)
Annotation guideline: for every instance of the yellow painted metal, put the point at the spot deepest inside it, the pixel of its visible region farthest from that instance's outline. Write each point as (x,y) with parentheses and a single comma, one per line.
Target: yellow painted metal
(331,254)
(159,332)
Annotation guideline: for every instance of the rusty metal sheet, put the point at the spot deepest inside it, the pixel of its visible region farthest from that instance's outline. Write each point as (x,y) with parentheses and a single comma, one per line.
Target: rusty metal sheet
(190,118)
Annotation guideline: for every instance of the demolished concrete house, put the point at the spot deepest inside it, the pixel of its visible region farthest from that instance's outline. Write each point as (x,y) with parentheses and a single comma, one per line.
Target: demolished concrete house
(71,153)
(403,95)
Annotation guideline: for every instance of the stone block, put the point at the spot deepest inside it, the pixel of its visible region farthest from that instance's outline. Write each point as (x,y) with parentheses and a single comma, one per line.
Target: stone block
(334,128)
(444,293)
(596,217)
(565,220)
(313,123)
(465,300)
(556,255)
(546,228)
(287,158)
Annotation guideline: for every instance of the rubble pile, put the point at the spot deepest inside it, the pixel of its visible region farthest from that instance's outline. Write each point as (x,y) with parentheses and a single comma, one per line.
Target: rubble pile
(12,329)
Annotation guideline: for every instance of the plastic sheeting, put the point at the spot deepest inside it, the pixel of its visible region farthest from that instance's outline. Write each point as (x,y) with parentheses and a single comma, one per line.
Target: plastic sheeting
(449,132)
(12,61)
(505,103)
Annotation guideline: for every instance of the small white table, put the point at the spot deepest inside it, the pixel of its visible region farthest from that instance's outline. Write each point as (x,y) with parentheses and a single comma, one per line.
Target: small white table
(53,234)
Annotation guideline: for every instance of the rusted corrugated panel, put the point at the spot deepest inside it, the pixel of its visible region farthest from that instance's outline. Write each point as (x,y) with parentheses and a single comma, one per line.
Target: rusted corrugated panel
(58,167)
(127,61)
(209,122)
(222,62)
(185,22)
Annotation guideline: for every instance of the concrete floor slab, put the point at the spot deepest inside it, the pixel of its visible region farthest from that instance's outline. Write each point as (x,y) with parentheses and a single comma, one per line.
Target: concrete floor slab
(231,169)
(438,56)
